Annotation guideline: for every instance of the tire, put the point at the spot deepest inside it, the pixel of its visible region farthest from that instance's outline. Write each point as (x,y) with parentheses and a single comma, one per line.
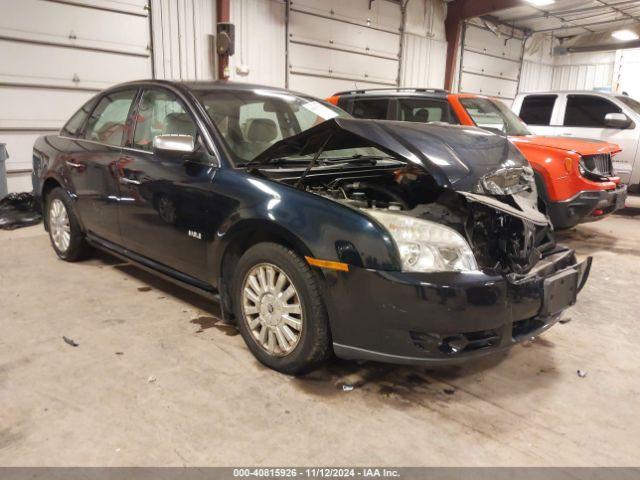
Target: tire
(313,343)
(75,247)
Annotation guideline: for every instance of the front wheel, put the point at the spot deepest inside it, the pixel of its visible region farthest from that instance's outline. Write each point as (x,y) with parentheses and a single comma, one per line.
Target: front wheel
(64,228)
(280,311)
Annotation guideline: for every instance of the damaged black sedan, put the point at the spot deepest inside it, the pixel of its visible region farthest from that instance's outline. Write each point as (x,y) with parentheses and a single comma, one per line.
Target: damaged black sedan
(316,232)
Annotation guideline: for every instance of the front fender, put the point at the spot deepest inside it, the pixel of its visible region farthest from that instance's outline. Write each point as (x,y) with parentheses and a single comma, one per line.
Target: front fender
(314,225)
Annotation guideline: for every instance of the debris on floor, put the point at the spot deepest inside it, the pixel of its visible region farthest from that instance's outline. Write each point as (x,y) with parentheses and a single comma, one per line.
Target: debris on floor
(581,373)
(144,289)
(347,388)
(151,379)
(449,391)
(18,210)
(70,341)
(119,353)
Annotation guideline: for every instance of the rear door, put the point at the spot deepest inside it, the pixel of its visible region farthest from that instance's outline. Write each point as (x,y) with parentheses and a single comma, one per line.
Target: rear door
(165,196)
(91,163)
(537,111)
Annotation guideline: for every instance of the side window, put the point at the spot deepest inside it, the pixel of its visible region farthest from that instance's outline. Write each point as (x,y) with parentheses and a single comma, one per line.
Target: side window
(537,109)
(425,110)
(107,122)
(160,113)
(76,122)
(374,108)
(588,111)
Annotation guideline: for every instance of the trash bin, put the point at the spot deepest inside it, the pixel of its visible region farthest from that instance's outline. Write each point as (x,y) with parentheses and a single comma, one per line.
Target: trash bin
(3,170)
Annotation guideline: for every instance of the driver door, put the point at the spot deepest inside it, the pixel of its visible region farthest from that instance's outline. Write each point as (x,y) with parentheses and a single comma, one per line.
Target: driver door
(165,195)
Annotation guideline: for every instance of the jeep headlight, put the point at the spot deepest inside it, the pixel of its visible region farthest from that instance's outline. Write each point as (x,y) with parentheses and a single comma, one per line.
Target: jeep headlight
(427,246)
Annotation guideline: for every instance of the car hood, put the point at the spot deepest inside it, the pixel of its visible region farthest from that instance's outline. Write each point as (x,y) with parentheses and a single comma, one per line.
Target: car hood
(455,156)
(583,146)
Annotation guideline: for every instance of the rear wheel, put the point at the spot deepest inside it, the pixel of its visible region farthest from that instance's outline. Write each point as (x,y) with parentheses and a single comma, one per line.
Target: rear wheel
(280,311)
(64,228)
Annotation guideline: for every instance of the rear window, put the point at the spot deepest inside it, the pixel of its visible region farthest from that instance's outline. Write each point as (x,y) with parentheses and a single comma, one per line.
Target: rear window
(73,127)
(588,111)
(425,110)
(537,109)
(374,108)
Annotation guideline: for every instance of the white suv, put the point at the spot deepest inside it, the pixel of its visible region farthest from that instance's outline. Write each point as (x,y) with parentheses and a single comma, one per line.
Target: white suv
(587,114)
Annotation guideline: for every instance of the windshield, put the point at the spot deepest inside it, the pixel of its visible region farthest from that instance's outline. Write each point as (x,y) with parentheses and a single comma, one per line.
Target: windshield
(494,115)
(630,102)
(250,121)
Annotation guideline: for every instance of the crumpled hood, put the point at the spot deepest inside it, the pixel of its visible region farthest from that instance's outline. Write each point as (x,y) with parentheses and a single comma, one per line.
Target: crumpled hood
(583,146)
(455,156)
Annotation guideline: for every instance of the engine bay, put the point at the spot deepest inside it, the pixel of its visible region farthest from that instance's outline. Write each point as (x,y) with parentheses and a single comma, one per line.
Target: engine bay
(500,240)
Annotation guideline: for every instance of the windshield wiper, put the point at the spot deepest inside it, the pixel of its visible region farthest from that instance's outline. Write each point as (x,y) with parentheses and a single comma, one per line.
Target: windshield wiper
(357,158)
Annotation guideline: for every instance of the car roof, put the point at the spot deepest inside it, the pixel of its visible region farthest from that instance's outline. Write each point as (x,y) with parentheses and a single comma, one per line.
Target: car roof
(210,85)
(572,92)
(394,92)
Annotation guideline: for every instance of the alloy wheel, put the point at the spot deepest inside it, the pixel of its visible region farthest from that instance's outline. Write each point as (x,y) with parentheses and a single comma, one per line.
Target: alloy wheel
(272,309)
(59,225)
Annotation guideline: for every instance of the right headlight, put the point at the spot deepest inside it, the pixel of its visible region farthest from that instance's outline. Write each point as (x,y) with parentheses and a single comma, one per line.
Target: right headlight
(427,246)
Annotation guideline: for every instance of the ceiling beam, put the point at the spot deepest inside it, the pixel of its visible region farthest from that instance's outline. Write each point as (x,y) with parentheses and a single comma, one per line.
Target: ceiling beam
(574,11)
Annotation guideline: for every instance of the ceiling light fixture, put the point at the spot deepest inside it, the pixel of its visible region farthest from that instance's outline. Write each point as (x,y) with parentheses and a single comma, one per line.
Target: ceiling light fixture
(541,3)
(625,35)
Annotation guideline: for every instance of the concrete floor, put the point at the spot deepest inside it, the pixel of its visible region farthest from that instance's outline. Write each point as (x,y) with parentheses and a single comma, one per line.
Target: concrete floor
(158,380)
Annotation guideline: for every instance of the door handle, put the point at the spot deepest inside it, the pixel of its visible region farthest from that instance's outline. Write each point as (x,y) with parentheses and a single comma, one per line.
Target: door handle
(129,181)
(74,164)
(566,134)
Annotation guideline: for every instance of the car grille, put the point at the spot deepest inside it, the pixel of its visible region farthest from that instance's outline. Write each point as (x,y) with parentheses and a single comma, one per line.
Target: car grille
(599,164)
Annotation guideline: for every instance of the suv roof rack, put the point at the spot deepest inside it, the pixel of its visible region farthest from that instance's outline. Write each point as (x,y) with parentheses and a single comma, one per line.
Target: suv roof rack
(393,89)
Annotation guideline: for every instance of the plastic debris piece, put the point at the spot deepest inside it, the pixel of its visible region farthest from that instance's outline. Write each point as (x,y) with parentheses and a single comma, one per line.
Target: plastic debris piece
(449,391)
(18,210)
(119,353)
(70,341)
(581,373)
(151,379)
(144,289)
(347,388)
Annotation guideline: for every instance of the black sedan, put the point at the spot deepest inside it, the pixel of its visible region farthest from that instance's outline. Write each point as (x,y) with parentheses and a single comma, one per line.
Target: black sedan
(316,232)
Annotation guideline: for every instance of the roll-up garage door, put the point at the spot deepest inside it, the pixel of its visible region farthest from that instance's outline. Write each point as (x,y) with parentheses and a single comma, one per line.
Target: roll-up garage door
(55,55)
(490,62)
(337,45)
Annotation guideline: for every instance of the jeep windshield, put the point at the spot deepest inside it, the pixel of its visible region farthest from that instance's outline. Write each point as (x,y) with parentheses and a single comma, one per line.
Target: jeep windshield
(250,121)
(494,116)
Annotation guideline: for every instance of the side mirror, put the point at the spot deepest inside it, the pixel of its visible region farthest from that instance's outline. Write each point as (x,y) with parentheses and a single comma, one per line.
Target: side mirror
(617,120)
(174,143)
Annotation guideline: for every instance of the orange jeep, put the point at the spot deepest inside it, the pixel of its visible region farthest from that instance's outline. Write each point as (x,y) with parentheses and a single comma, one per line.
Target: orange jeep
(575,178)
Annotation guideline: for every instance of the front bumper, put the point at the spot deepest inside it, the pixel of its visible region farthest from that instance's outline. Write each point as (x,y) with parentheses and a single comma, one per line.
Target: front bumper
(447,317)
(586,206)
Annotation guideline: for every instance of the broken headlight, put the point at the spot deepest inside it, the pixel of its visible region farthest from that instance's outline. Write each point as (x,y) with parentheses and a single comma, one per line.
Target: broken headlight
(507,181)
(427,246)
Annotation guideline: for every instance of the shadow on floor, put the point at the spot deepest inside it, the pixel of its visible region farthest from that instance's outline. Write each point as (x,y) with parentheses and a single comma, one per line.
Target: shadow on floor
(161,286)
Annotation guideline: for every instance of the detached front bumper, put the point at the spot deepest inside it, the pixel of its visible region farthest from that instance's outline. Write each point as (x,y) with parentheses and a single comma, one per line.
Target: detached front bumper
(447,317)
(586,206)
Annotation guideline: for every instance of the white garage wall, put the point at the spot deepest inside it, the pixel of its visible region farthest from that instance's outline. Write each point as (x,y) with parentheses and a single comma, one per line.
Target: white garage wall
(584,71)
(55,55)
(537,65)
(260,55)
(336,45)
(182,46)
(424,47)
(627,72)
(490,60)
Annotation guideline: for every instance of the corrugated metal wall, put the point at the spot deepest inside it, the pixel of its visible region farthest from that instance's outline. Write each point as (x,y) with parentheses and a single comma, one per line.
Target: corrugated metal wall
(182,48)
(584,71)
(537,65)
(260,42)
(424,46)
